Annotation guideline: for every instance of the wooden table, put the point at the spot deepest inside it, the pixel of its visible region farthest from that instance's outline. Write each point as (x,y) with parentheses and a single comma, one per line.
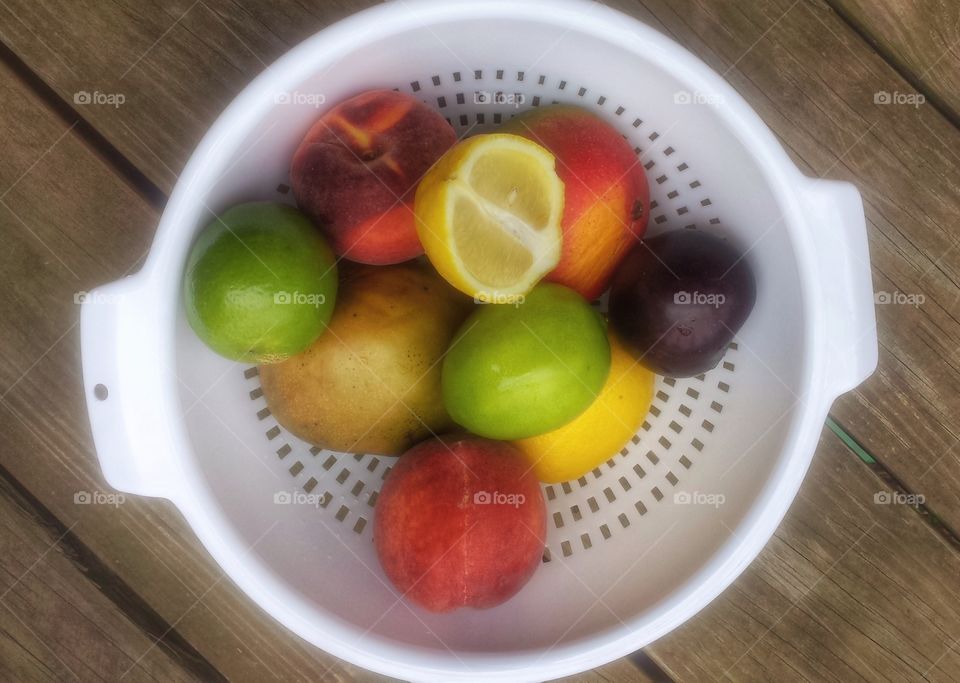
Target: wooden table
(846,590)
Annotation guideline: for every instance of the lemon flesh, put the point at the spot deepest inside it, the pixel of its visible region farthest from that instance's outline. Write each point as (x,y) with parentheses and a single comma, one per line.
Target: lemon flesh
(488,216)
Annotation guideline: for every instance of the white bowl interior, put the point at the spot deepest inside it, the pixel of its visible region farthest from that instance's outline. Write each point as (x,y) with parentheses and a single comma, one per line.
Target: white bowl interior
(621,539)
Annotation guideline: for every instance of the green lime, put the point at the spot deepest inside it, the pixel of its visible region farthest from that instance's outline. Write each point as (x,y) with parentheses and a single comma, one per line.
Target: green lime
(260,283)
(514,371)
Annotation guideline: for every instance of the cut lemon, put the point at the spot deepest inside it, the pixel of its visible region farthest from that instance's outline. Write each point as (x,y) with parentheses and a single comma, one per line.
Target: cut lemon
(488,216)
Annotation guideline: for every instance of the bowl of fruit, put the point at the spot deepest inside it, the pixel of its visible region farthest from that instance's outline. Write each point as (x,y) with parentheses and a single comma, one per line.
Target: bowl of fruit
(483,340)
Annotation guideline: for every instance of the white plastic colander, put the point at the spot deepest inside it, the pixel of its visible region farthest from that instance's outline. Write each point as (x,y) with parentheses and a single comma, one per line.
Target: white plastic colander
(635,547)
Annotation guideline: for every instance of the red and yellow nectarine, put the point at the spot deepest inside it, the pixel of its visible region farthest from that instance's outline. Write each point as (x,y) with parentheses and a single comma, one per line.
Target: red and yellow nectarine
(460,522)
(355,173)
(607,199)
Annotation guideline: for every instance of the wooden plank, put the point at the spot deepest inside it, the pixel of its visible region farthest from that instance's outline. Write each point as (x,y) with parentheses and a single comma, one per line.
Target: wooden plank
(635,669)
(184,60)
(808,74)
(847,590)
(55,623)
(813,81)
(922,39)
(800,128)
(96,229)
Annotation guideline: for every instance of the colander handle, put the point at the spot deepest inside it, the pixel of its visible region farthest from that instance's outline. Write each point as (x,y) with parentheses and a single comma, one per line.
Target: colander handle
(836,210)
(120,348)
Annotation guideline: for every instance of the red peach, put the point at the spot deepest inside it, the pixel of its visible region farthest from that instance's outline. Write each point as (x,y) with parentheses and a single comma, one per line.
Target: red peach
(355,173)
(460,522)
(607,200)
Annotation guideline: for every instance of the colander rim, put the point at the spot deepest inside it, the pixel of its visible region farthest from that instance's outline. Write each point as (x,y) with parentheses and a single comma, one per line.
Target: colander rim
(219,536)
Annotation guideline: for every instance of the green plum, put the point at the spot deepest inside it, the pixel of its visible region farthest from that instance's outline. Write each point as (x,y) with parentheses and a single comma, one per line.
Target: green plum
(514,371)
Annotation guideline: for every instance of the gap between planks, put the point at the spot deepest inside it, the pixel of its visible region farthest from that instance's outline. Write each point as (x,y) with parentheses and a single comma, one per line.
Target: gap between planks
(128,600)
(902,69)
(122,167)
(894,482)
(156,197)
(115,589)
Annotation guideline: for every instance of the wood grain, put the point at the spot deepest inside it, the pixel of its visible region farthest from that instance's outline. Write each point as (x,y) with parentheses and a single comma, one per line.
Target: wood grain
(177,63)
(55,622)
(811,78)
(847,590)
(813,81)
(66,223)
(921,39)
(809,75)
(98,229)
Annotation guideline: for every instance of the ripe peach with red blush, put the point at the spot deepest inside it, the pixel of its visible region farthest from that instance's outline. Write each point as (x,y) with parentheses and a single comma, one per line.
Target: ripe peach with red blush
(607,200)
(355,173)
(460,522)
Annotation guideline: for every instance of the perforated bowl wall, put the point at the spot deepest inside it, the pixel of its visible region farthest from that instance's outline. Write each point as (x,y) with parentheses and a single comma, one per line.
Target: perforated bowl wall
(677,431)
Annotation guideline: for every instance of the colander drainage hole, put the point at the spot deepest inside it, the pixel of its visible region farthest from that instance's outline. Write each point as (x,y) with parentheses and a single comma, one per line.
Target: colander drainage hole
(100,392)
